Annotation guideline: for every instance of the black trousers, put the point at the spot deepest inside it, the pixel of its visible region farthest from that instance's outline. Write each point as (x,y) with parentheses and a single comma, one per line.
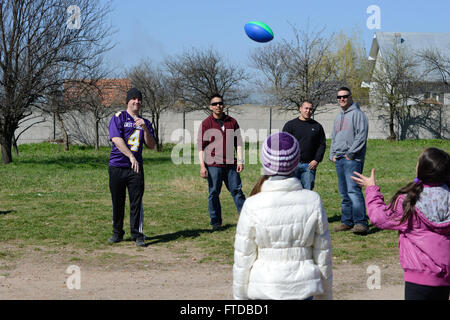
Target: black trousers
(415,291)
(121,179)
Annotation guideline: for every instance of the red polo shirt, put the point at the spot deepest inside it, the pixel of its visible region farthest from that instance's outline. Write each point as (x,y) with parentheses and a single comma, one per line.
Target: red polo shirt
(219,143)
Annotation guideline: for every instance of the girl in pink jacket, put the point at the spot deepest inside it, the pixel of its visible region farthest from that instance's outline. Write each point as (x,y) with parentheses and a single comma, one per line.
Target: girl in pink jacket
(420,212)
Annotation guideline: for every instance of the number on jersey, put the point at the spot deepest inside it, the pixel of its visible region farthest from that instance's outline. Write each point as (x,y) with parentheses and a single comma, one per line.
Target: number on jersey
(133,140)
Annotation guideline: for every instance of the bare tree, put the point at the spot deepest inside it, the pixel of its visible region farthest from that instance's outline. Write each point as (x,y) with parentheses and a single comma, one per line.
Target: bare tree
(437,67)
(199,74)
(55,104)
(269,62)
(159,93)
(25,124)
(92,101)
(394,80)
(39,46)
(299,70)
(352,65)
(436,63)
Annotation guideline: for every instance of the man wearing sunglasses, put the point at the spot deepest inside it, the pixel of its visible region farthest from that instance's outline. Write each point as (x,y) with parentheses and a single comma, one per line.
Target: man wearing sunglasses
(218,139)
(348,150)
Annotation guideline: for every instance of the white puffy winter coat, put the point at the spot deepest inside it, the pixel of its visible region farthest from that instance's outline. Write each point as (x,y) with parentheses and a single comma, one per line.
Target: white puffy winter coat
(282,248)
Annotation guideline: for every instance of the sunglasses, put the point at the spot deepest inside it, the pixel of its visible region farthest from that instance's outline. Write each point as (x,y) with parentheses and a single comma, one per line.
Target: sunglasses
(343,97)
(214,104)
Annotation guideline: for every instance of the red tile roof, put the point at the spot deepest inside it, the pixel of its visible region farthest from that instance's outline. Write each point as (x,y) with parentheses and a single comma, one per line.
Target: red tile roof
(112,91)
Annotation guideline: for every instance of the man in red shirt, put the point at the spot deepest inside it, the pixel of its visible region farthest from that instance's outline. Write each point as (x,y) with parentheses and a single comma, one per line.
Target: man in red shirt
(219,136)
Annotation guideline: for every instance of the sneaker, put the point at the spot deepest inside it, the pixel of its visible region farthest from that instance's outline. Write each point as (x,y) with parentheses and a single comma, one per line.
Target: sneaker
(360,229)
(216,227)
(342,227)
(140,242)
(115,239)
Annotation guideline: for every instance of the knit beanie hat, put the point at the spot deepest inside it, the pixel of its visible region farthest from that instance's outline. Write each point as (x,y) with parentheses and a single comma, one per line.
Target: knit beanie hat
(133,93)
(280,154)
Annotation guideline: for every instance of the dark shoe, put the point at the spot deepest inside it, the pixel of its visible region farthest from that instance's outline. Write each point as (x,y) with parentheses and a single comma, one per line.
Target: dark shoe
(140,242)
(145,238)
(216,227)
(115,239)
(342,227)
(360,229)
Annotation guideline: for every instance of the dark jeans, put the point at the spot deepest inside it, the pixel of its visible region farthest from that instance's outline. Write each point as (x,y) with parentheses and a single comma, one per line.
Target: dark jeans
(121,179)
(232,179)
(415,291)
(353,207)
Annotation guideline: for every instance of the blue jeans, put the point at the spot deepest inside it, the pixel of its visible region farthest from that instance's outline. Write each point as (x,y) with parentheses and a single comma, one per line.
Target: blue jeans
(232,179)
(352,205)
(305,175)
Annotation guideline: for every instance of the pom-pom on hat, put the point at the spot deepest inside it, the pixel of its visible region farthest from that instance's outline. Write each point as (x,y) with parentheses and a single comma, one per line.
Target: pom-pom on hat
(280,154)
(133,93)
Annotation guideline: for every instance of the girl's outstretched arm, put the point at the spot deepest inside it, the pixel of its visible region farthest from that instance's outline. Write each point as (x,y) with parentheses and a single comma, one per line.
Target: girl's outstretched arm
(380,214)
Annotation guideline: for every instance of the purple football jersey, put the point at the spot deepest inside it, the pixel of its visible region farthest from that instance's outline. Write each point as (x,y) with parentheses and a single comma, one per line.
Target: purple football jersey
(122,125)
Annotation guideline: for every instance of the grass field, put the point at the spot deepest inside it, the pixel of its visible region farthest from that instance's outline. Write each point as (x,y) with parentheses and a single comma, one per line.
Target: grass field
(53,198)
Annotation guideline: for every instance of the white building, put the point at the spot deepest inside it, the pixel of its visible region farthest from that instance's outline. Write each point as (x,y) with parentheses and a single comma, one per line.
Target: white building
(431,120)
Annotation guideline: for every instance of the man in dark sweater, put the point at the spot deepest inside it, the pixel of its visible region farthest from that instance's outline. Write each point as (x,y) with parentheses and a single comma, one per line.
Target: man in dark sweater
(311,137)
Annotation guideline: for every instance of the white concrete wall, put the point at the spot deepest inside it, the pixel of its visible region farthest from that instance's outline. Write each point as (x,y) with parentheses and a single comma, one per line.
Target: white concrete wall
(41,131)
(251,118)
(257,119)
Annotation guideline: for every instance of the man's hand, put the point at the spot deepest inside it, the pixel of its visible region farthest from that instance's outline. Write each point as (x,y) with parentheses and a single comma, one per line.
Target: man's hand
(120,144)
(134,163)
(203,172)
(313,165)
(239,167)
(139,122)
(334,159)
(149,140)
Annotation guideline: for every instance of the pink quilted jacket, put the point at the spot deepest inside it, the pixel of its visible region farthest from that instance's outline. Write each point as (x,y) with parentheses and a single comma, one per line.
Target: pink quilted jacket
(424,240)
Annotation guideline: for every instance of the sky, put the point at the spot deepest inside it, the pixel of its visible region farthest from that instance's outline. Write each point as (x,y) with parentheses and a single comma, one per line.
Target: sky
(150,29)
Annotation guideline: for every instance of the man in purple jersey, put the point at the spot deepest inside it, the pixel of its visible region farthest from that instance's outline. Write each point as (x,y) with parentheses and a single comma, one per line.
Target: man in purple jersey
(128,132)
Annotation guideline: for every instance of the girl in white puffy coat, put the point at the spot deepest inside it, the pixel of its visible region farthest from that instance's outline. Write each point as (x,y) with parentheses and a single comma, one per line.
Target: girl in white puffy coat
(282,247)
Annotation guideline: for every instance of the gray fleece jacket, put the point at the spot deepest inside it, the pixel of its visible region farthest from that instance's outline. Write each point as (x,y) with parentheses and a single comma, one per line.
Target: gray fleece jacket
(349,136)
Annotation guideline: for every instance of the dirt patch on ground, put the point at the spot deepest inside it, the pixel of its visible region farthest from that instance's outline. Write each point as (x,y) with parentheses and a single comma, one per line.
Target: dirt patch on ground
(375,280)
(125,272)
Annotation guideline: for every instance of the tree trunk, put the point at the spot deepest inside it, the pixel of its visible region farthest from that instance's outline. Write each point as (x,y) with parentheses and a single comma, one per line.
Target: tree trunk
(6,150)
(155,122)
(96,146)
(63,131)
(158,143)
(392,135)
(6,141)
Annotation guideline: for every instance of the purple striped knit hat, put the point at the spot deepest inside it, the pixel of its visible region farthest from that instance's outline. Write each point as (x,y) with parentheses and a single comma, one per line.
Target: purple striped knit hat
(280,154)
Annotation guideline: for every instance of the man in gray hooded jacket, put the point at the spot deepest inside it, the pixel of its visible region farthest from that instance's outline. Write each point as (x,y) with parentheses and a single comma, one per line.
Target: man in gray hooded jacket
(348,150)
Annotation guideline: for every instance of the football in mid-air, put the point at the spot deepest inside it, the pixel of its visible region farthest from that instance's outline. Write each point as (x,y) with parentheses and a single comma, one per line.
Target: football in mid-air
(258,31)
